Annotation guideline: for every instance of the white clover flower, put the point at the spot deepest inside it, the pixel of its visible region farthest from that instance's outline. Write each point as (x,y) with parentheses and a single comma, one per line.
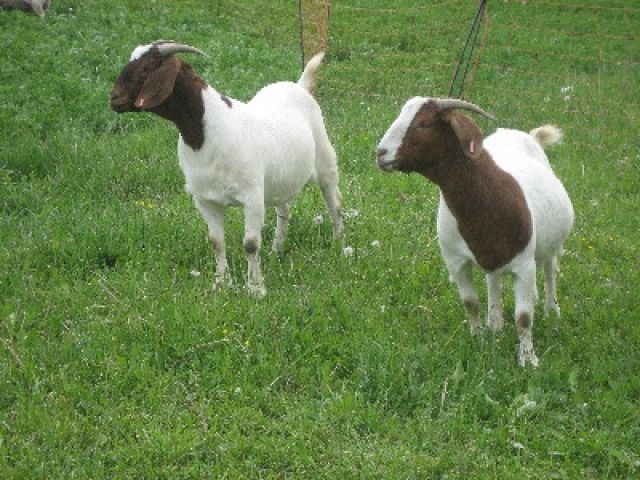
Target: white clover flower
(350,213)
(517,446)
(194,273)
(347,251)
(318,220)
(375,243)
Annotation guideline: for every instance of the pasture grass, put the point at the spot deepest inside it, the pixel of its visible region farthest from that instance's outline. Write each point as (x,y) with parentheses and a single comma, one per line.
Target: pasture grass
(118,361)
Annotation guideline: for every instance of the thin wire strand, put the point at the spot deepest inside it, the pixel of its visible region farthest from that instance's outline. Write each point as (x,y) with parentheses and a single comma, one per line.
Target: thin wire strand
(469,46)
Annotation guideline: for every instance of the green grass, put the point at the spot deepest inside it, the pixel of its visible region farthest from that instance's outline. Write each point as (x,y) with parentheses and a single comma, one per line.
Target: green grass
(117,362)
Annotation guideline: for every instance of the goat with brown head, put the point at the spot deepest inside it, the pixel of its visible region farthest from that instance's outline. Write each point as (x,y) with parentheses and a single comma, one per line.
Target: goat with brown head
(493,209)
(254,155)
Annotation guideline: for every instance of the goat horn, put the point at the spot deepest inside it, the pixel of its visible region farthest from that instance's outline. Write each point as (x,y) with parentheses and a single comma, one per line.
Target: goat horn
(167,47)
(457,103)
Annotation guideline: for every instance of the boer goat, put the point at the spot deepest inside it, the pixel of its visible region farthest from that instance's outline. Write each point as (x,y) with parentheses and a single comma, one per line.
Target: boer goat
(254,155)
(501,206)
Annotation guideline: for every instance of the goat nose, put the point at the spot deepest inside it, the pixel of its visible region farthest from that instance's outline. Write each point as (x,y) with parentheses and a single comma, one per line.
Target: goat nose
(381,152)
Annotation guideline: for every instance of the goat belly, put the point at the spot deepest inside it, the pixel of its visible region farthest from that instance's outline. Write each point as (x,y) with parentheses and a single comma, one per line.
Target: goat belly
(211,189)
(283,185)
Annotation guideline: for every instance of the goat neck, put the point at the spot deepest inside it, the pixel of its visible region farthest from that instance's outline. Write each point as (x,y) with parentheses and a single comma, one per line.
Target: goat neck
(185,106)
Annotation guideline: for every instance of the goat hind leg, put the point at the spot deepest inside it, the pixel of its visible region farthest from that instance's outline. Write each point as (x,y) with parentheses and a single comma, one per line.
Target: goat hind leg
(550,297)
(524,284)
(283,214)
(253,222)
(327,171)
(333,199)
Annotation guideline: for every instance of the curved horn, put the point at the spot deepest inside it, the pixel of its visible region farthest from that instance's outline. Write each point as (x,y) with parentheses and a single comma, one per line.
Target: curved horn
(457,103)
(169,47)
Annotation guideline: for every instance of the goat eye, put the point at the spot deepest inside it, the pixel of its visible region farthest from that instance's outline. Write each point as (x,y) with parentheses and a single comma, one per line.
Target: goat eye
(424,125)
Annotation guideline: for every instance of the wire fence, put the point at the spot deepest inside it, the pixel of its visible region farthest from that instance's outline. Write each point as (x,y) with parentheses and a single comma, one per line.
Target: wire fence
(522,46)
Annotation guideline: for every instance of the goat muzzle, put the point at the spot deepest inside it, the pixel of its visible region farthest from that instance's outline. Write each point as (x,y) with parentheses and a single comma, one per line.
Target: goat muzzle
(119,103)
(383,162)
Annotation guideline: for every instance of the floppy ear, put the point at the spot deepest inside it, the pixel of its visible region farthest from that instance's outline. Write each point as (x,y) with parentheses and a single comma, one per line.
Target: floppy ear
(159,84)
(468,133)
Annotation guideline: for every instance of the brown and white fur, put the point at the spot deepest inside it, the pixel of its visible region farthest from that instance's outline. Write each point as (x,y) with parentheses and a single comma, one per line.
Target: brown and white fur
(253,155)
(501,206)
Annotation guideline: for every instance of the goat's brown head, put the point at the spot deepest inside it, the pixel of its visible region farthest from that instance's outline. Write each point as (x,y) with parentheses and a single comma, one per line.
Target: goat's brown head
(429,131)
(148,79)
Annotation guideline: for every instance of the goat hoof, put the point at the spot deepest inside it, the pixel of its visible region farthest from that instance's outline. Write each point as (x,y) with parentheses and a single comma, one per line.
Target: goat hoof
(527,355)
(552,308)
(475,327)
(257,291)
(495,322)
(221,282)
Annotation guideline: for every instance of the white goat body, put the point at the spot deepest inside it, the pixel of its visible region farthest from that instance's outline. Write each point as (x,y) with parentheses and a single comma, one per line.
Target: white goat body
(254,155)
(263,148)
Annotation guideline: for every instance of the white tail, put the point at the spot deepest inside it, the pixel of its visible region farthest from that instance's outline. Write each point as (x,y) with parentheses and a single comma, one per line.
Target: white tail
(546,135)
(308,77)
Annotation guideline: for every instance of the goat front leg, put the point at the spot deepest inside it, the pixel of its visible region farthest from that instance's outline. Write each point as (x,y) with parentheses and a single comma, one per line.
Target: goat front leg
(550,298)
(214,216)
(283,214)
(469,296)
(495,320)
(253,223)
(524,284)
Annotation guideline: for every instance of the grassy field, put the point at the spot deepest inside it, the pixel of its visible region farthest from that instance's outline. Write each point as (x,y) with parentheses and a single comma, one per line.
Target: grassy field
(118,361)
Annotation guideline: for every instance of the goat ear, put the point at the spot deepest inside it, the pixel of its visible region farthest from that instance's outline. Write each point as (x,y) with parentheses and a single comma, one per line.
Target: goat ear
(158,85)
(468,133)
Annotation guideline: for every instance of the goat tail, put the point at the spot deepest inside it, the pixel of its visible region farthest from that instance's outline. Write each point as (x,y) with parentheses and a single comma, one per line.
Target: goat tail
(308,77)
(546,135)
